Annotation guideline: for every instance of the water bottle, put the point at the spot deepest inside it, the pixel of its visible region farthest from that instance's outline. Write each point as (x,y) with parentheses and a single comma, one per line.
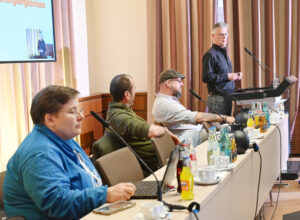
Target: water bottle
(267,113)
(193,158)
(224,142)
(276,82)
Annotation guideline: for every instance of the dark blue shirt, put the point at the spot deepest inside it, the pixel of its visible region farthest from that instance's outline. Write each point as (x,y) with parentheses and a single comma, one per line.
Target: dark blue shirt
(215,66)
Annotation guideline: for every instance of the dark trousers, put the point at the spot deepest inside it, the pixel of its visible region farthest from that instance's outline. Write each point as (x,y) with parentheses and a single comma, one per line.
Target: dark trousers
(219,104)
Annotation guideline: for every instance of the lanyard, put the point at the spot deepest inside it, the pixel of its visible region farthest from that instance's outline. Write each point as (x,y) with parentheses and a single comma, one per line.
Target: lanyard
(96,180)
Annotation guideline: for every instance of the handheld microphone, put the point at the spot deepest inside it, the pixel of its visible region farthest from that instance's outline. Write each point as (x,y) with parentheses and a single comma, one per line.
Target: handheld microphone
(214,111)
(262,65)
(106,124)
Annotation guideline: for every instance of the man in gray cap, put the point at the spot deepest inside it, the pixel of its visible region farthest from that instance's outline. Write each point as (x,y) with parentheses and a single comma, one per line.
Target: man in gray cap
(169,112)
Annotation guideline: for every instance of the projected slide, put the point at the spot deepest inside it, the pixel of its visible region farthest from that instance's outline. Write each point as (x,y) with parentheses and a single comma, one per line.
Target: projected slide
(27,31)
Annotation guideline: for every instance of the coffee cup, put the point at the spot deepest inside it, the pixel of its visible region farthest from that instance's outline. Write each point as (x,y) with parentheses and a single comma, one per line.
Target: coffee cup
(152,210)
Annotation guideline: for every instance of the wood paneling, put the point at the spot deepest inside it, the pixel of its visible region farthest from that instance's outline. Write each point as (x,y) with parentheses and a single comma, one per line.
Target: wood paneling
(91,129)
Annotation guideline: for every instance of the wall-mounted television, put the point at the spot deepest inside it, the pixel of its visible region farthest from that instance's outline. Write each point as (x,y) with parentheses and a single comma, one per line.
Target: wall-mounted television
(27,31)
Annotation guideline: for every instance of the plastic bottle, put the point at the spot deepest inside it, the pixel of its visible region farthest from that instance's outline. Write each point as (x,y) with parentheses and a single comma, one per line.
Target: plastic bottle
(193,158)
(186,181)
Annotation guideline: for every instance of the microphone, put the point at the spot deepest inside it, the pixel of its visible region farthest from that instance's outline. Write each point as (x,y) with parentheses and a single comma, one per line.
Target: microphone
(106,124)
(198,97)
(264,67)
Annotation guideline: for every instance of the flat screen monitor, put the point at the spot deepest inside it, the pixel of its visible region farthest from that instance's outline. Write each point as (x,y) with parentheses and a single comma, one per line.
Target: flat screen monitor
(27,31)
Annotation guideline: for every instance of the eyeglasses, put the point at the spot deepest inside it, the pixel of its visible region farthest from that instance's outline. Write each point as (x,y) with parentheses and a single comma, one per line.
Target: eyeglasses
(77,112)
(177,80)
(223,34)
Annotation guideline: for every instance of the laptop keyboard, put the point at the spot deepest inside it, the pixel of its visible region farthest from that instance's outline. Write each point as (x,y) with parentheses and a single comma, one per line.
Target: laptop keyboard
(146,188)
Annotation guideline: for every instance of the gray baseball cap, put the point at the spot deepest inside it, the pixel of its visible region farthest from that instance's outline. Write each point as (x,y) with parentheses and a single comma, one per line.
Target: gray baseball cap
(170,74)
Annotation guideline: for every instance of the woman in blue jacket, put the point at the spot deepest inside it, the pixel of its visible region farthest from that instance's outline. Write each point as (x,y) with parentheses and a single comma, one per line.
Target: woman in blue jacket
(50,176)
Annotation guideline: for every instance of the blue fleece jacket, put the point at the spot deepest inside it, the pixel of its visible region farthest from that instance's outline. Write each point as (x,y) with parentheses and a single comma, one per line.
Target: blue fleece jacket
(45,179)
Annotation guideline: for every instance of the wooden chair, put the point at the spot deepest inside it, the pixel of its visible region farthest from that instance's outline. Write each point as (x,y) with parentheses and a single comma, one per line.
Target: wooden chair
(163,146)
(119,166)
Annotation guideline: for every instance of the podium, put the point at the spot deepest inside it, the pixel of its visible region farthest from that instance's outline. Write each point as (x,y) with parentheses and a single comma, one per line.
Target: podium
(265,94)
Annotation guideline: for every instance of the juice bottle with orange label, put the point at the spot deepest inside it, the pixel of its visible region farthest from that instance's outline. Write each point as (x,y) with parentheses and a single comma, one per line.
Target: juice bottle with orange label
(186,182)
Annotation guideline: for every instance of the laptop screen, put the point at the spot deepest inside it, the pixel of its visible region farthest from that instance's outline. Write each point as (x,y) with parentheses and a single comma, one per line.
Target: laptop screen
(170,169)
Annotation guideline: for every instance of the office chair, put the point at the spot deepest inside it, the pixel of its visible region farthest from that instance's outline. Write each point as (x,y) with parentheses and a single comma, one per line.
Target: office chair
(163,146)
(105,145)
(2,212)
(119,166)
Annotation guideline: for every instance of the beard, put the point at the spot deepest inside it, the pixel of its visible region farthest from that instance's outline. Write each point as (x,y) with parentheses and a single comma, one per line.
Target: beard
(176,93)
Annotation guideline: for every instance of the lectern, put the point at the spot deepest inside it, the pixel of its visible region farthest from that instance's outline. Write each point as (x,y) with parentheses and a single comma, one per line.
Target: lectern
(266,94)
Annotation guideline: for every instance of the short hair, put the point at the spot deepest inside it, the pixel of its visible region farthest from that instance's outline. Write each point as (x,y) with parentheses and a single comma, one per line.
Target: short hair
(119,85)
(219,25)
(50,100)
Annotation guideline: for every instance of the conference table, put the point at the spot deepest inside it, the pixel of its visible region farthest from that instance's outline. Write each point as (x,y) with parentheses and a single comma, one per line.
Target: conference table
(234,197)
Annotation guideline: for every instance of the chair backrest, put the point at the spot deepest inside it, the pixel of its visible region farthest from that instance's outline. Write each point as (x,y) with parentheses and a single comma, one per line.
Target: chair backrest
(105,145)
(163,146)
(2,175)
(119,166)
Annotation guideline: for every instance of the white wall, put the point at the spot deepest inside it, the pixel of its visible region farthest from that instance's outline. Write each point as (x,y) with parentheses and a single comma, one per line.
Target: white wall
(117,42)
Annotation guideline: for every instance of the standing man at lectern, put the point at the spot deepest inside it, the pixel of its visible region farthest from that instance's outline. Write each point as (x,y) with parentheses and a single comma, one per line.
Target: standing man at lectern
(217,71)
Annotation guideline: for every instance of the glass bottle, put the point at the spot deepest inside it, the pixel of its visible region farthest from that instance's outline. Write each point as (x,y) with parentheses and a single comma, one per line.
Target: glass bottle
(193,158)
(186,181)
(250,121)
(276,82)
(233,150)
(179,168)
(266,111)
(210,147)
(262,123)
(224,141)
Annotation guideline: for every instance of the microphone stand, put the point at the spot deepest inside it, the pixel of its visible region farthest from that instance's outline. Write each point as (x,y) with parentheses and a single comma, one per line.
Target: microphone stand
(106,124)
(264,67)
(214,111)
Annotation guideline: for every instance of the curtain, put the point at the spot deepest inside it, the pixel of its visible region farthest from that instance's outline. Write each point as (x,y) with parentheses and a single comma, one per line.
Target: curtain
(180,33)
(19,82)
(270,29)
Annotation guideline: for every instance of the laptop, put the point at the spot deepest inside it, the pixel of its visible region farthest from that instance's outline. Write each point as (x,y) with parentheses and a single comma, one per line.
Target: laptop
(148,189)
